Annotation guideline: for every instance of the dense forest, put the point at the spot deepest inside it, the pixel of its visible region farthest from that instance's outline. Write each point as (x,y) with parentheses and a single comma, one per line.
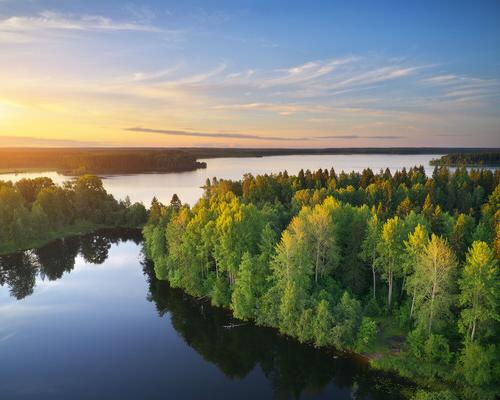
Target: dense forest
(487,159)
(98,160)
(35,211)
(400,267)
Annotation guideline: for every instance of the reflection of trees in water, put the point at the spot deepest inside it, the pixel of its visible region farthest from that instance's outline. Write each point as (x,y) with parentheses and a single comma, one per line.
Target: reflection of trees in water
(57,257)
(292,368)
(18,271)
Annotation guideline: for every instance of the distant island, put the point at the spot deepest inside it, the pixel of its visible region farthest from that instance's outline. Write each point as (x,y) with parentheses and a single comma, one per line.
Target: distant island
(105,161)
(478,159)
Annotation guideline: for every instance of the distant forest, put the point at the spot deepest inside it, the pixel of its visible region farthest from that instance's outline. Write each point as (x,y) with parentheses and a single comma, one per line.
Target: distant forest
(225,152)
(487,159)
(99,161)
(79,161)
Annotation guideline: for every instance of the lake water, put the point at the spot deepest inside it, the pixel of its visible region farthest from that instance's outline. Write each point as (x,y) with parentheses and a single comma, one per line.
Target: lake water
(84,318)
(187,185)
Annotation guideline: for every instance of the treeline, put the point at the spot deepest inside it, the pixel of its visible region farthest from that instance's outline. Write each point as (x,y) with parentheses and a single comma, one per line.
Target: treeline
(293,370)
(34,211)
(357,261)
(213,152)
(99,161)
(487,159)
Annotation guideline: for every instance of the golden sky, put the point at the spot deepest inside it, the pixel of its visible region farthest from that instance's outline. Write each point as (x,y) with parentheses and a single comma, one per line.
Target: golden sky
(191,77)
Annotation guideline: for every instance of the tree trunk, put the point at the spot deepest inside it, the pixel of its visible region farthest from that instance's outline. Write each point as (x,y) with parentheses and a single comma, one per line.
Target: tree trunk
(473,330)
(432,306)
(317,263)
(413,302)
(374,280)
(389,295)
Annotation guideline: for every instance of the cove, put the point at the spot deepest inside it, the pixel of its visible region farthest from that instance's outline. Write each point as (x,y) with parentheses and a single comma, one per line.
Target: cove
(84,317)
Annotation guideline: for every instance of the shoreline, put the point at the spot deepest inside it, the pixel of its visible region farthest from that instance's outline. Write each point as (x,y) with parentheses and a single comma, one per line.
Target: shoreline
(71,231)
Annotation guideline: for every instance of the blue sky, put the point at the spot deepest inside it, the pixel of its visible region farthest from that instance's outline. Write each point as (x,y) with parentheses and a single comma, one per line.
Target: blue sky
(250,74)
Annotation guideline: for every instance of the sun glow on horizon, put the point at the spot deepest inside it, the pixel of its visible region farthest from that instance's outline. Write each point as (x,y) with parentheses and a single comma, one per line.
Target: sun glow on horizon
(100,76)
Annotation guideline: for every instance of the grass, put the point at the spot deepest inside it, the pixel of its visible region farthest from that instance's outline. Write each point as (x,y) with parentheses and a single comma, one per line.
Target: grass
(389,341)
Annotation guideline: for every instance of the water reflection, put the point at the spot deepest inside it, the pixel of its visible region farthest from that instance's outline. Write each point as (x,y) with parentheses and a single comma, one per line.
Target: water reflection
(245,355)
(18,271)
(294,370)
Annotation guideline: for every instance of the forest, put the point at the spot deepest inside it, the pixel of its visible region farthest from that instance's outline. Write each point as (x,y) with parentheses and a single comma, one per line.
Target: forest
(486,159)
(35,211)
(80,161)
(400,267)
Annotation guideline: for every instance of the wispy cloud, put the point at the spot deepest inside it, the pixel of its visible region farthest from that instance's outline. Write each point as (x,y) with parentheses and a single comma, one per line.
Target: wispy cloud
(256,137)
(462,89)
(380,137)
(170,132)
(305,72)
(281,109)
(28,28)
(375,76)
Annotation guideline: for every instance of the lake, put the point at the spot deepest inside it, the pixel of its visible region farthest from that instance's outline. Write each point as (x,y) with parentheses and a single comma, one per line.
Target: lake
(85,318)
(187,185)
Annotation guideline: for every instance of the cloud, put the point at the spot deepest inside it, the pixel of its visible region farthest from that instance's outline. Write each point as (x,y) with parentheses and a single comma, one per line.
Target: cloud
(212,134)
(374,76)
(462,89)
(305,72)
(255,137)
(282,109)
(440,79)
(29,28)
(381,137)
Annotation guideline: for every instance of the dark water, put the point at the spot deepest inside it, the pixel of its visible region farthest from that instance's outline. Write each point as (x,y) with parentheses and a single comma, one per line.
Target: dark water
(84,318)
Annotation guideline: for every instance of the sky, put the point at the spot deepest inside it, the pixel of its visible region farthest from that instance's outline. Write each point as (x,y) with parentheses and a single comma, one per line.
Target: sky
(250,73)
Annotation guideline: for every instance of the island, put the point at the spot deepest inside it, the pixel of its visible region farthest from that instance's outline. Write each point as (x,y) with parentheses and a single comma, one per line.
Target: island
(470,159)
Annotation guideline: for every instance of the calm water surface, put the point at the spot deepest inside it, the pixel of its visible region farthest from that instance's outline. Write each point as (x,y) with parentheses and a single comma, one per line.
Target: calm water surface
(187,185)
(84,318)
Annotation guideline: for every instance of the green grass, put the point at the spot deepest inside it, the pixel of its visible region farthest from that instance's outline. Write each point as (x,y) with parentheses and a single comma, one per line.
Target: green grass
(389,340)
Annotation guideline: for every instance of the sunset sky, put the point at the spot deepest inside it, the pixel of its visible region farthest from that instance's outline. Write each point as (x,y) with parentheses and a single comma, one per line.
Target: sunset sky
(249,73)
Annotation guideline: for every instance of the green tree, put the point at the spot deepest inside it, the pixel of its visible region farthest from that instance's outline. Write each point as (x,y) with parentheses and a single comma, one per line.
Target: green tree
(415,247)
(369,247)
(479,292)
(390,253)
(477,364)
(366,334)
(243,299)
(322,324)
(347,319)
(433,280)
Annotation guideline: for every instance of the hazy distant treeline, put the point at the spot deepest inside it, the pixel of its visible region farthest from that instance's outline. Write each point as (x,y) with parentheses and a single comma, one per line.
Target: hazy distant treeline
(100,161)
(469,159)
